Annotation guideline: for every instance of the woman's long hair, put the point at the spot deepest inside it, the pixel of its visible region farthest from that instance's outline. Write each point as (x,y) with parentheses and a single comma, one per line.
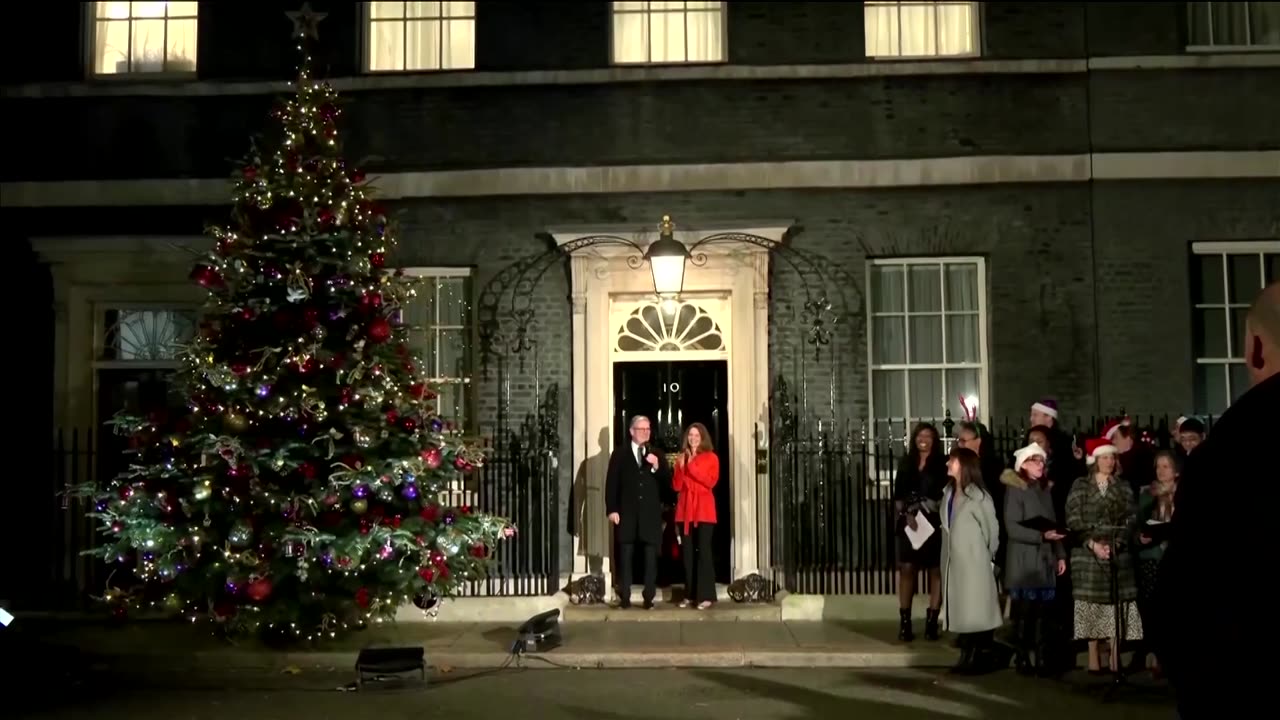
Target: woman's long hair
(705,445)
(970,469)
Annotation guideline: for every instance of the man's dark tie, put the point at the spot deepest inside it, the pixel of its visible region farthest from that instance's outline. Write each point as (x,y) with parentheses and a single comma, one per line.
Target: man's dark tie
(640,456)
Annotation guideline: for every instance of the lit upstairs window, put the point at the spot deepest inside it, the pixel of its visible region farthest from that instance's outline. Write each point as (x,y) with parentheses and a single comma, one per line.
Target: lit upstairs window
(665,33)
(420,36)
(921,30)
(138,38)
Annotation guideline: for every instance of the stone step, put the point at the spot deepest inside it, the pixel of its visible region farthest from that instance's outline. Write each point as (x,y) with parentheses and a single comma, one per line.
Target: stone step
(668,613)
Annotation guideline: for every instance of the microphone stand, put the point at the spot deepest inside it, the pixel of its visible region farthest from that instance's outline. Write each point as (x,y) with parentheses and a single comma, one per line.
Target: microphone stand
(1119,679)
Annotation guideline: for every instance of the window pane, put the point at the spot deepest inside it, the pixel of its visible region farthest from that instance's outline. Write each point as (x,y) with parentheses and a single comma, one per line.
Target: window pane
(1209,333)
(453,302)
(888,341)
(888,391)
(1230,23)
(962,384)
(667,41)
(886,288)
(962,288)
(1207,279)
(1239,377)
(956,28)
(451,353)
(962,339)
(146,49)
(919,32)
(1245,275)
(422,45)
(112,47)
(925,340)
(925,391)
(1211,388)
(381,10)
(1264,23)
(1239,317)
(386,46)
(180,48)
(880,29)
(460,44)
(1198,23)
(925,283)
(1273,268)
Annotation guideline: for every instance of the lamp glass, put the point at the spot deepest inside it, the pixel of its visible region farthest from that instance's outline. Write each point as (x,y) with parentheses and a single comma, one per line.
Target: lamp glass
(668,274)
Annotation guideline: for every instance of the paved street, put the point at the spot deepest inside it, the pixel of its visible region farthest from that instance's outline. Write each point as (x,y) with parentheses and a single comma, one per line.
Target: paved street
(605,694)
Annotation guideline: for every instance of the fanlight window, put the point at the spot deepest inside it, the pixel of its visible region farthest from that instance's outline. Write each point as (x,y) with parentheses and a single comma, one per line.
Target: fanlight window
(669,327)
(147,335)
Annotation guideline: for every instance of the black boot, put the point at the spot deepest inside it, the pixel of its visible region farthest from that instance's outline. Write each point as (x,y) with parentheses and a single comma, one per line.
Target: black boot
(983,659)
(1028,639)
(1044,641)
(965,665)
(905,633)
(931,625)
(1017,619)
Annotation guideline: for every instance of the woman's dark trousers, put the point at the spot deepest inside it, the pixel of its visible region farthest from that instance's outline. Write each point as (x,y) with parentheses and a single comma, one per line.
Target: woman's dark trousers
(699,563)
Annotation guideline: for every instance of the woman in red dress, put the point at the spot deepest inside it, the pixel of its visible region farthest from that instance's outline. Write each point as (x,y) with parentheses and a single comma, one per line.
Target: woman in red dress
(697,472)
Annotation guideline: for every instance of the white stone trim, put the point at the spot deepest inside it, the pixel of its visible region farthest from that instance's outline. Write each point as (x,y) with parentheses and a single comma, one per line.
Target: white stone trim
(842,174)
(645,74)
(602,278)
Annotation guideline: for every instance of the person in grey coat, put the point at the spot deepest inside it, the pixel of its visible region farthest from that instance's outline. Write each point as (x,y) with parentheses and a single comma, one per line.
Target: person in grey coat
(970,538)
(1033,559)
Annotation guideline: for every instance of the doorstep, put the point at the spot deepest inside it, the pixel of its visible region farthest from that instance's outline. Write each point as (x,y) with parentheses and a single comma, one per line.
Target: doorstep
(476,646)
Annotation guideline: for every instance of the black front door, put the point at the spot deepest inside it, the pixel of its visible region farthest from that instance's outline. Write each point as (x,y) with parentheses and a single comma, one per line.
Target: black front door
(673,395)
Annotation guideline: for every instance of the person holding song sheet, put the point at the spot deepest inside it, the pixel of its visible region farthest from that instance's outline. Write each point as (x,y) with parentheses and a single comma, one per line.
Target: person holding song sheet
(1034,557)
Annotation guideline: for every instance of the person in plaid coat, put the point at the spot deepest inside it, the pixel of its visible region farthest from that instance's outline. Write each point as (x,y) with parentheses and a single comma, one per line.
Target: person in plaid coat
(1099,503)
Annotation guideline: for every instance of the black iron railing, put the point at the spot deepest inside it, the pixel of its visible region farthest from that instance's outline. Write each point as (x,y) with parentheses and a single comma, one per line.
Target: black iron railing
(831,515)
(519,482)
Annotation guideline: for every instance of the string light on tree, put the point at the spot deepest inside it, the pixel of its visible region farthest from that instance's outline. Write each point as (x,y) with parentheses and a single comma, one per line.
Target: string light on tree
(302,489)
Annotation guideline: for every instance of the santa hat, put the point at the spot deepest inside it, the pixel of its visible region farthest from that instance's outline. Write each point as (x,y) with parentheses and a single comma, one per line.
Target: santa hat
(1110,429)
(1095,448)
(1048,406)
(1026,453)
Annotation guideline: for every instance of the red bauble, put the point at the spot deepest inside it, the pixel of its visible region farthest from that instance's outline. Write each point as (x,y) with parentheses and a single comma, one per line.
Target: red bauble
(357,176)
(346,395)
(307,469)
(408,424)
(392,416)
(377,260)
(480,550)
(362,597)
(427,573)
(250,172)
(259,589)
(379,330)
(240,368)
(371,300)
(432,457)
(325,217)
(207,277)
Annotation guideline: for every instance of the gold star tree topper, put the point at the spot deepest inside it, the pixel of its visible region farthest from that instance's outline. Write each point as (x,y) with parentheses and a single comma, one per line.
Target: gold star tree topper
(306,22)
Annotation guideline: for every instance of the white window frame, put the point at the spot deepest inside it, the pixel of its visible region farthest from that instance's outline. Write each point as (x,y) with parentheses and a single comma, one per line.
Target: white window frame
(90,25)
(1212,47)
(366,45)
(435,377)
(1226,250)
(649,13)
(976,30)
(983,366)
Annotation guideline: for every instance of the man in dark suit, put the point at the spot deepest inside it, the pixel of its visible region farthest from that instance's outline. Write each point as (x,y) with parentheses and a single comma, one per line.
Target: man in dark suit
(638,479)
(1213,617)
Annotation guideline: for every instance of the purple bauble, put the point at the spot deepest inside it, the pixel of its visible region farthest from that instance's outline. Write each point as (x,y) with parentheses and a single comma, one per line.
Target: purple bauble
(360,491)
(409,492)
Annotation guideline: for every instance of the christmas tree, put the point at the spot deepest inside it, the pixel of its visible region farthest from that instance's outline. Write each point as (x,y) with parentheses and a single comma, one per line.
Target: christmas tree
(302,489)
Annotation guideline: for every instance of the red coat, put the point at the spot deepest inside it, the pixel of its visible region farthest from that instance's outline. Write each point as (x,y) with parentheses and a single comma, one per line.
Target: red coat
(696,503)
